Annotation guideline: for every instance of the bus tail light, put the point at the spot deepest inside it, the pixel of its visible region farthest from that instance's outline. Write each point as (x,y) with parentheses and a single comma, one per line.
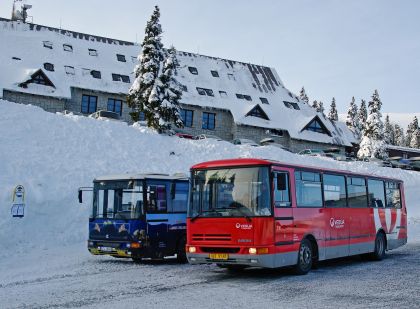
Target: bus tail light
(192,249)
(135,245)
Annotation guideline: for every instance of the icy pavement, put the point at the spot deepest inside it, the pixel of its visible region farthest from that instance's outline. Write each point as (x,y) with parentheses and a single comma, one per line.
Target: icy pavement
(71,278)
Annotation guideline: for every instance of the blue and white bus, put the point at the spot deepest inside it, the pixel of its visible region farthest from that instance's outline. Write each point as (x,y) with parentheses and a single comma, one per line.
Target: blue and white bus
(139,216)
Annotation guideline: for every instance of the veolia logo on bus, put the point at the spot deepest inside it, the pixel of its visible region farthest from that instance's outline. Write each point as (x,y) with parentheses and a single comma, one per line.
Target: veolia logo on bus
(243,226)
(337,223)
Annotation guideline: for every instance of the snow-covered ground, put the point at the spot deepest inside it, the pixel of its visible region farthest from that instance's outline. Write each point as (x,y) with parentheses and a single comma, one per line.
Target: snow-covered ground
(43,257)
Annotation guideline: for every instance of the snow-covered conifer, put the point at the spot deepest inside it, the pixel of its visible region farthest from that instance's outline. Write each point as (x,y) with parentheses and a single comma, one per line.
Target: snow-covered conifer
(143,96)
(303,97)
(415,138)
(389,134)
(399,136)
(320,108)
(372,144)
(362,116)
(352,120)
(333,115)
(315,104)
(414,124)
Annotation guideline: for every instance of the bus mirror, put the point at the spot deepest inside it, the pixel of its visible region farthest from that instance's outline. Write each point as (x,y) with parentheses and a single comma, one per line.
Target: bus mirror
(173,188)
(80,196)
(281,182)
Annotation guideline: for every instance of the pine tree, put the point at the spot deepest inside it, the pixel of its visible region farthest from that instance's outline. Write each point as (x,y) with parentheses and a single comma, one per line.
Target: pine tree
(414,124)
(156,92)
(389,134)
(352,120)
(362,116)
(372,144)
(333,115)
(399,136)
(315,104)
(414,143)
(303,97)
(320,108)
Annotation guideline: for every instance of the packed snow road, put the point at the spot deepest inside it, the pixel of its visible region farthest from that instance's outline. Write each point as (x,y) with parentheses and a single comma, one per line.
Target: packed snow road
(72,278)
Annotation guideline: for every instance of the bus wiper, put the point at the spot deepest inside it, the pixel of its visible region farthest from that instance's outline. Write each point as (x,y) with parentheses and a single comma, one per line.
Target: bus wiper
(195,217)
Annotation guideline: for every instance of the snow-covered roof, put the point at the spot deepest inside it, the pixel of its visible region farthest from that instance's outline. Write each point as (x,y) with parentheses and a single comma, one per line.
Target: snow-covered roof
(402,148)
(142,177)
(229,85)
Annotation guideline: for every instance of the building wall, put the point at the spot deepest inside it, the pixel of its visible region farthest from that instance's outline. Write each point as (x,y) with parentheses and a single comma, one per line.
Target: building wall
(75,103)
(49,104)
(257,134)
(298,145)
(223,122)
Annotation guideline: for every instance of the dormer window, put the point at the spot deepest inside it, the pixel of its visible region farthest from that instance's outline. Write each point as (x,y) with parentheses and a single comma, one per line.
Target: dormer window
(120,78)
(193,70)
(48,44)
(125,78)
(67,48)
(291,105)
(69,70)
(39,78)
(93,52)
(121,58)
(223,94)
(95,74)
(16,58)
(243,97)
(231,76)
(275,132)
(49,66)
(247,97)
(317,126)
(264,101)
(214,73)
(204,91)
(133,59)
(257,111)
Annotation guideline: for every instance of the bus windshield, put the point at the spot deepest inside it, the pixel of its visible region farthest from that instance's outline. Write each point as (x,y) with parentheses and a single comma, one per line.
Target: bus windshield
(117,199)
(230,192)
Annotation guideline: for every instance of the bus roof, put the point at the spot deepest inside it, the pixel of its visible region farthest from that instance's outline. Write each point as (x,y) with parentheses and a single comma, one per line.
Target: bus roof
(241,162)
(142,177)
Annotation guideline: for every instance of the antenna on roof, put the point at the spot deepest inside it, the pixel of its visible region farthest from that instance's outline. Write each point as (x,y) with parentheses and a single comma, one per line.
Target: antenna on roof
(21,14)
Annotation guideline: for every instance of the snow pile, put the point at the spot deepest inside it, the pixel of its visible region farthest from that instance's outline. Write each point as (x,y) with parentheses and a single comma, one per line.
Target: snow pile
(52,155)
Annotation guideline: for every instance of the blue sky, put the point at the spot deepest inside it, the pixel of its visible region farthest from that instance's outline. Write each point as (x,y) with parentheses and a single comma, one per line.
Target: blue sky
(332,47)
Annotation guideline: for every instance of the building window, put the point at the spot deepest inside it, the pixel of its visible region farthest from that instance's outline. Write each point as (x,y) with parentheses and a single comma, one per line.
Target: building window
(264,101)
(134,59)
(39,79)
(223,94)
(16,58)
(204,91)
(49,67)
(357,195)
(125,79)
(209,121)
(89,104)
(316,126)
(69,70)
(67,47)
(193,70)
(308,189)
(291,105)
(240,96)
(96,74)
(119,78)
(114,106)
(187,117)
(142,116)
(335,191)
(93,52)
(275,132)
(231,76)
(121,58)
(214,73)
(48,44)
(257,111)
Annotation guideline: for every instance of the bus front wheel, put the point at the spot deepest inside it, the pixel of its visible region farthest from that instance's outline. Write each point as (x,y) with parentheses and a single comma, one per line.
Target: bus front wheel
(305,256)
(181,254)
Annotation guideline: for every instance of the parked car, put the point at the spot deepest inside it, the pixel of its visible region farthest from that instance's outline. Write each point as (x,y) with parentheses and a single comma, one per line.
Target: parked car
(182,134)
(415,163)
(270,142)
(336,156)
(102,114)
(244,141)
(399,162)
(312,152)
(206,136)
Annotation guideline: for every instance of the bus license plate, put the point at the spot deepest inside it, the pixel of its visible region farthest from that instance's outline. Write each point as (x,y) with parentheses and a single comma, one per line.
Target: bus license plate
(106,249)
(219,256)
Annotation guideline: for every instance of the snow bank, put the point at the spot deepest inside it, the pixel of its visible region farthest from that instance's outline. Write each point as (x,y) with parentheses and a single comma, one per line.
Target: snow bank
(54,154)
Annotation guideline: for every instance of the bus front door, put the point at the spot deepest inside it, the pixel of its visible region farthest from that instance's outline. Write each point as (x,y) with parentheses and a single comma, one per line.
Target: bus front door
(157,218)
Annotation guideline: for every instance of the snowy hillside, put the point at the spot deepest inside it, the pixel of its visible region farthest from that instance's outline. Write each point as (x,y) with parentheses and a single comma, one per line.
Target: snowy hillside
(54,154)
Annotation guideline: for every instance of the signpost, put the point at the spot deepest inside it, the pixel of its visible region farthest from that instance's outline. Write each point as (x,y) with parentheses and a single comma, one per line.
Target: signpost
(18,202)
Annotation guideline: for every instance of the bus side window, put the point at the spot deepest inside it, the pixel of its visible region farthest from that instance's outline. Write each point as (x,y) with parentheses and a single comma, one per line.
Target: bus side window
(281,190)
(180,197)
(156,199)
(393,195)
(376,193)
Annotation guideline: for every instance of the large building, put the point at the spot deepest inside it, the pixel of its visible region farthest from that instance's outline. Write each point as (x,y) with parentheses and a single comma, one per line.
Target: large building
(61,70)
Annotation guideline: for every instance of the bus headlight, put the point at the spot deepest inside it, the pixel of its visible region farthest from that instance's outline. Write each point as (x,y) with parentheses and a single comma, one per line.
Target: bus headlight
(252,250)
(192,249)
(258,250)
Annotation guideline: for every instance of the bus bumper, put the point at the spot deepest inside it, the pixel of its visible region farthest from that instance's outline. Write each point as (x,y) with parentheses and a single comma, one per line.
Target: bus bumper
(263,260)
(115,249)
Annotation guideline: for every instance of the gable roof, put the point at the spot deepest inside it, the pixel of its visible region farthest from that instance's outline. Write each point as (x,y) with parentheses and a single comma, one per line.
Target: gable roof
(37,75)
(237,86)
(257,111)
(317,120)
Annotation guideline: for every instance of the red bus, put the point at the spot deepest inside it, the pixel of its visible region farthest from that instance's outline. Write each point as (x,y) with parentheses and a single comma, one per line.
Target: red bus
(262,213)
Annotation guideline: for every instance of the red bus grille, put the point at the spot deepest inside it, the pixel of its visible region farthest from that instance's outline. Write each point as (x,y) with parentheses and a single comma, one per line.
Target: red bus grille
(212,237)
(219,250)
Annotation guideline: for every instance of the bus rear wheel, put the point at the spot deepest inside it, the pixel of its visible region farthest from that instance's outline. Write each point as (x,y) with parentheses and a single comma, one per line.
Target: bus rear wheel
(181,254)
(305,256)
(380,245)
